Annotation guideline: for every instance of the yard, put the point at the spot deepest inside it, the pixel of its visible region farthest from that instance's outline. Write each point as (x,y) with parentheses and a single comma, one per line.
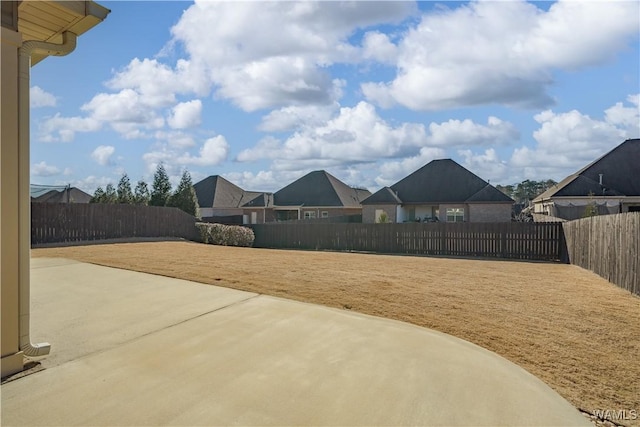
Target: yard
(569,327)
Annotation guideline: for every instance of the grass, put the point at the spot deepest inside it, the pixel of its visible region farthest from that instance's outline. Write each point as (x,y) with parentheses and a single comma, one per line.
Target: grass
(569,327)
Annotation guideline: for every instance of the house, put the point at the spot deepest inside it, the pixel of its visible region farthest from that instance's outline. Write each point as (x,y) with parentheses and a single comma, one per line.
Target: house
(66,195)
(611,184)
(259,209)
(223,201)
(442,190)
(317,195)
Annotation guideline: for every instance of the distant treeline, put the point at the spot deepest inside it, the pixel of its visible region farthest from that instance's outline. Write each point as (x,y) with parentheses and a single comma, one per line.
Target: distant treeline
(526,190)
(184,197)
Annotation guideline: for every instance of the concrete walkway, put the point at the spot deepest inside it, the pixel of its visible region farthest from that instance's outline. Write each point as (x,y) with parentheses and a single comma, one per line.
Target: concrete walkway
(136,349)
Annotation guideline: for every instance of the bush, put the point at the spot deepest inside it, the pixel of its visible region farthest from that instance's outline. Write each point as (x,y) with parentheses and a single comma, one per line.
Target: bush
(225,235)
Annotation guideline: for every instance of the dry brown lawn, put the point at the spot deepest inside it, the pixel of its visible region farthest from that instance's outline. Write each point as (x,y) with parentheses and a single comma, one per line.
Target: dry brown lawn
(569,327)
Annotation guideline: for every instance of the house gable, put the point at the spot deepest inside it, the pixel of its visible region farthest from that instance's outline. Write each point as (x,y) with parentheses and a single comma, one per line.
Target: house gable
(384,196)
(262,200)
(445,181)
(489,194)
(620,169)
(216,192)
(318,188)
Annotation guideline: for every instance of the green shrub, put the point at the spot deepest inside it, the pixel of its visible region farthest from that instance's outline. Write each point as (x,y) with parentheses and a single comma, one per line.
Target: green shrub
(225,235)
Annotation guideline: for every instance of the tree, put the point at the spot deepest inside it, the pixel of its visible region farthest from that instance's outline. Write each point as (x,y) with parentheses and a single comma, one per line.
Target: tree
(110,195)
(185,196)
(141,194)
(161,188)
(592,207)
(98,196)
(124,190)
(526,190)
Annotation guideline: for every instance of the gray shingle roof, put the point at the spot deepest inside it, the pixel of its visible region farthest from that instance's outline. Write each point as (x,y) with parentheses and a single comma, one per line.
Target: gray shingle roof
(319,188)
(74,195)
(440,181)
(262,200)
(384,196)
(216,192)
(620,169)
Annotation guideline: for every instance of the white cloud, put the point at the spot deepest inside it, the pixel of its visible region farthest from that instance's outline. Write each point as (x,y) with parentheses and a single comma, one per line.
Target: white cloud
(391,172)
(63,129)
(272,54)
(501,52)
(92,182)
(185,114)
(356,134)
(213,152)
(40,98)
(160,154)
(43,169)
(487,165)
(102,154)
(468,133)
(259,181)
(568,141)
(277,81)
(377,46)
(628,117)
(293,117)
(176,139)
(157,83)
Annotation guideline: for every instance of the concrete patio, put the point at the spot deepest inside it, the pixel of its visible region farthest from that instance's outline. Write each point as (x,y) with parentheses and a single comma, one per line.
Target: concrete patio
(137,349)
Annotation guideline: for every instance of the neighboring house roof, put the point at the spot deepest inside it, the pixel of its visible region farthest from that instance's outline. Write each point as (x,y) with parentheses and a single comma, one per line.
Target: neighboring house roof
(71,195)
(439,181)
(319,188)
(262,200)
(620,169)
(216,192)
(385,196)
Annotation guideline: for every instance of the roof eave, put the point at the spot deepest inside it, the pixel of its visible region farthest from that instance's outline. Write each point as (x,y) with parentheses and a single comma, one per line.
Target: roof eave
(76,17)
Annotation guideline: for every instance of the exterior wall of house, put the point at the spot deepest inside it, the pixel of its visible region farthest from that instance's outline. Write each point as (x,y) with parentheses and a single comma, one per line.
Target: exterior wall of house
(317,212)
(421,213)
(209,212)
(570,208)
(369,213)
(261,216)
(489,212)
(443,211)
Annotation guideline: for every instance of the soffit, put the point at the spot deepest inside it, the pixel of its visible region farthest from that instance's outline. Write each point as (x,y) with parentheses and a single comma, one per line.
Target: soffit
(47,20)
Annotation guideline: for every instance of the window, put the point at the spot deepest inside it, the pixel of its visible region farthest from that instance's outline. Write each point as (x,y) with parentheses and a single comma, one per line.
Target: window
(324,214)
(309,215)
(455,214)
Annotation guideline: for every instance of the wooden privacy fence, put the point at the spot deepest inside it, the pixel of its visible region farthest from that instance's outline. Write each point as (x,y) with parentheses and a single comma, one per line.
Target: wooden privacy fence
(608,245)
(68,222)
(513,240)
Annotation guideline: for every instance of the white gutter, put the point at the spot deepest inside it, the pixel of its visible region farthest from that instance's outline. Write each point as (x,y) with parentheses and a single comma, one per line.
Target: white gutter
(24,199)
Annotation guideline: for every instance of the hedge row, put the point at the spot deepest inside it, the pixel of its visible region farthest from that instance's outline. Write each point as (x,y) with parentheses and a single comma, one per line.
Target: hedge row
(226,235)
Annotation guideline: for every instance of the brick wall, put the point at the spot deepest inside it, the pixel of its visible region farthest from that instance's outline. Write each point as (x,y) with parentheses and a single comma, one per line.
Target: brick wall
(490,212)
(369,213)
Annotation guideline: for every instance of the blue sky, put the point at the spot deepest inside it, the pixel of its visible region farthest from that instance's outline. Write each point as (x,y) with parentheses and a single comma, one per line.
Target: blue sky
(264,92)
